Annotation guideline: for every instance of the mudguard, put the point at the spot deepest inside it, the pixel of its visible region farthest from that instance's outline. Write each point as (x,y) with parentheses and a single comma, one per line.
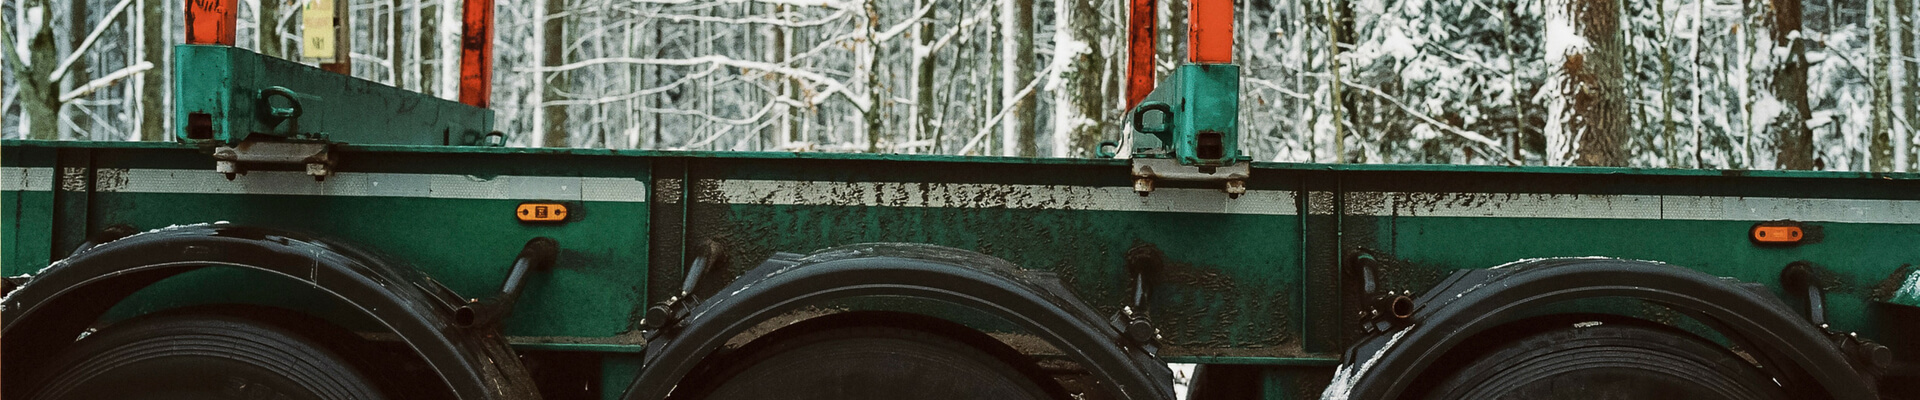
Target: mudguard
(1036,303)
(1468,302)
(47,312)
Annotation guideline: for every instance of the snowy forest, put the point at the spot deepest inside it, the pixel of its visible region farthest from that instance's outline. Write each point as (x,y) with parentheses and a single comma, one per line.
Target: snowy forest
(1741,84)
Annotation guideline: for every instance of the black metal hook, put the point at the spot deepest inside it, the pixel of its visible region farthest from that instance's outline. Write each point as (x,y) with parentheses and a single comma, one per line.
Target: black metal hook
(664,314)
(538,254)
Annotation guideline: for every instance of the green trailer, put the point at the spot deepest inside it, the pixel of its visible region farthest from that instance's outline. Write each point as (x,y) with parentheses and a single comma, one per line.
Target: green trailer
(1272,291)
(287,246)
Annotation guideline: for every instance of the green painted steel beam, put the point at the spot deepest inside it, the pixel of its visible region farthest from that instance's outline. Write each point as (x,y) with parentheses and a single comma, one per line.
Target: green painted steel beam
(224,95)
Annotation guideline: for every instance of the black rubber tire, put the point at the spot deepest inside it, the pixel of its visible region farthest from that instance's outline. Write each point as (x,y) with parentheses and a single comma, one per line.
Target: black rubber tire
(202,356)
(1606,361)
(869,362)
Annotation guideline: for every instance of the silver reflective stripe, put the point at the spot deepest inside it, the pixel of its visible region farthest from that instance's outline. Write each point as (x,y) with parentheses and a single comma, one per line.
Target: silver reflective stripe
(363,184)
(34,179)
(1704,208)
(1773,208)
(971,195)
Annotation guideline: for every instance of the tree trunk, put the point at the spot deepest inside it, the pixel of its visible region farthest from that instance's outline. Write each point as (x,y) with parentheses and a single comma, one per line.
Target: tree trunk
(39,97)
(268,33)
(552,54)
(1788,84)
(1880,147)
(868,55)
(448,43)
(1699,95)
(1588,117)
(396,52)
(1016,46)
(80,72)
(1077,102)
(154,83)
(1520,123)
(1337,36)
(425,42)
(1670,154)
(1905,81)
(923,63)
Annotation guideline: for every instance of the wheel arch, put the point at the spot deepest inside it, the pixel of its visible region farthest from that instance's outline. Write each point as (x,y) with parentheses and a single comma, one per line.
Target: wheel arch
(1033,301)
(62,300)
(1472,302)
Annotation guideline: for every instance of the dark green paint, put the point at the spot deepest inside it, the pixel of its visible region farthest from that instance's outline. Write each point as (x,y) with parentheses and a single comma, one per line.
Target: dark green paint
(230,86)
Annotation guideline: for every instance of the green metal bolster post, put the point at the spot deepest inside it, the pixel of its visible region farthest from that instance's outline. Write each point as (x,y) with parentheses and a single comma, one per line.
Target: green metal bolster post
(225,95)
(1188,129)
(1198,109)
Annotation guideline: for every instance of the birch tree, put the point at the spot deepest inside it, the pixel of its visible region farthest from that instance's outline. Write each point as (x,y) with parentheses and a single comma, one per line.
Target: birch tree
(1587,119)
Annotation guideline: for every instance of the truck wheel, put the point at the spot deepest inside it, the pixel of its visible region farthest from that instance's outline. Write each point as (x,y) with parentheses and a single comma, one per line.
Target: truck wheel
(1606,361)
(872,363)
(201,356)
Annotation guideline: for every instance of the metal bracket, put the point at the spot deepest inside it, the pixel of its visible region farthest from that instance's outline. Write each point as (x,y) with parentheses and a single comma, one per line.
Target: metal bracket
(317,156)
(1233,176)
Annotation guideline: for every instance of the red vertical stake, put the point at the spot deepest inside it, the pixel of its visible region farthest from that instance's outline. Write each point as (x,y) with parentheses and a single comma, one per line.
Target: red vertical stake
(476,53)
(210,21)
(1140,52)
(1210,32)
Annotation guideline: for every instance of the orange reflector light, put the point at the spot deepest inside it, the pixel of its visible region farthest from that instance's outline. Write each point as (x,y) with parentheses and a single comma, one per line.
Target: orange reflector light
(1778,234)
(541,212)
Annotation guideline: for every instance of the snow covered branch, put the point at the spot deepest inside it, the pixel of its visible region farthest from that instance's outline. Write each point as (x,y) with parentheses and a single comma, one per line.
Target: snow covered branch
(105,81)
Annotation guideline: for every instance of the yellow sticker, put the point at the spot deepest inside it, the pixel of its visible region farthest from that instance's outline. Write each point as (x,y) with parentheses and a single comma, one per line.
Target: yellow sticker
(317,30)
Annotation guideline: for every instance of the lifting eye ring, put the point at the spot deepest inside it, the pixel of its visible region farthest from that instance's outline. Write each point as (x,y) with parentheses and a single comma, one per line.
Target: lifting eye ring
(292,110)
(1166,112)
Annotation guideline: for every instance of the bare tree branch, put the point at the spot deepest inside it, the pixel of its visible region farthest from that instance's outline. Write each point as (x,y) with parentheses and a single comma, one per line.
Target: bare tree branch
(832,86)
(61,71)
(105,81)
(987,127)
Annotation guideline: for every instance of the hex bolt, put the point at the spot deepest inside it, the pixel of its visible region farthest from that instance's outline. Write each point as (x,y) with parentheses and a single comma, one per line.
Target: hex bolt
(1143,186)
